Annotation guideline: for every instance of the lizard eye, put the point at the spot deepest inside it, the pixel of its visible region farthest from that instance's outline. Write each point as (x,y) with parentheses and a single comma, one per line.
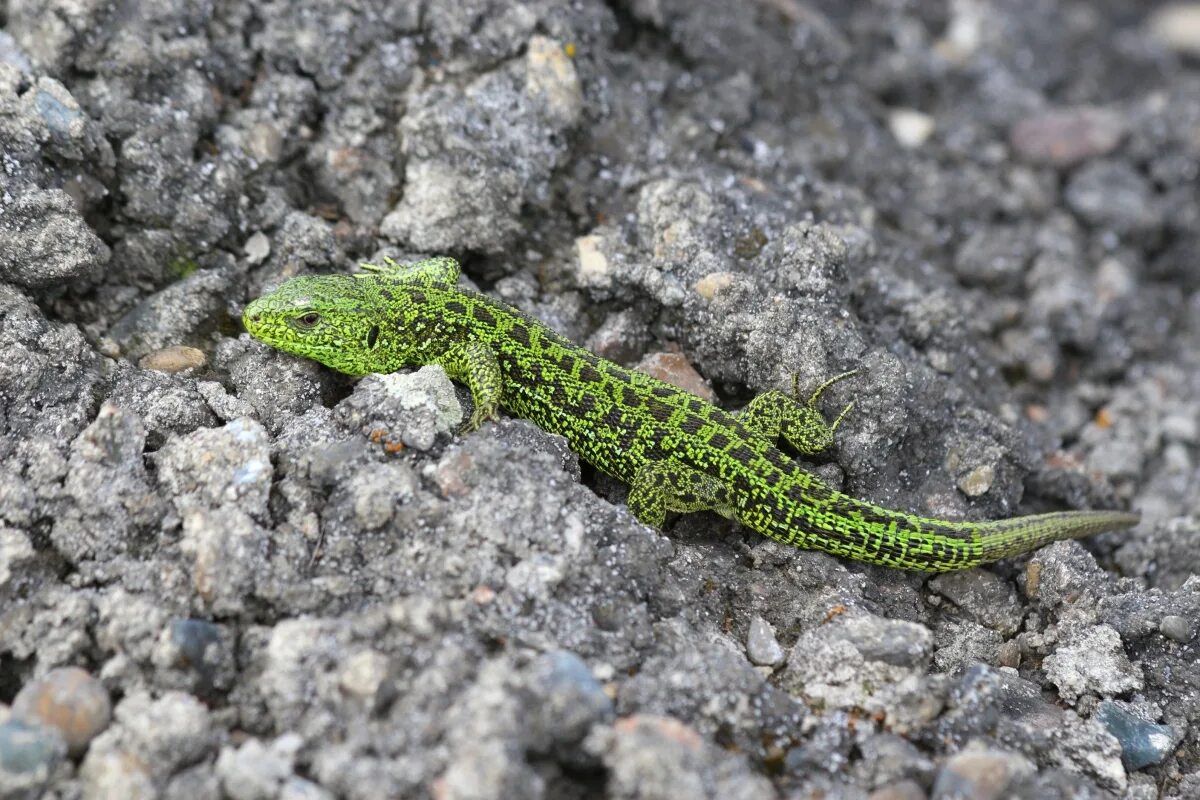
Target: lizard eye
(308,320)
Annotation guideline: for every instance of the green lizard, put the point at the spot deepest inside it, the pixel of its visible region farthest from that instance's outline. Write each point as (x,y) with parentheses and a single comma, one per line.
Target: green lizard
(676,451)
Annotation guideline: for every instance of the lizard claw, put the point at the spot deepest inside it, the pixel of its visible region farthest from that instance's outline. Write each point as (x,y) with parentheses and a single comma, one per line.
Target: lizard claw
(477,419)
(820,390)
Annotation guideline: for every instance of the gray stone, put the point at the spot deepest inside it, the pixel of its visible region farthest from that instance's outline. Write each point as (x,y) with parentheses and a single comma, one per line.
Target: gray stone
(44,242)
(468,196)
(112,498)
(1065,573)
(962,643)
(1177,26)
(993,256)
(1092,661)
(761,645)
(10,53)
(149,740)
(199,647)
(1112,195)
(1164,551)
(295,788)
(1142,743)
(228,553)
(216,466)
(889,759)
(181,314)
(866,662)
(165,404)
(655,758)
(986,597)
(993,705)
(52,377)
(257,771)
(902,790)
(412,408)
(567,702)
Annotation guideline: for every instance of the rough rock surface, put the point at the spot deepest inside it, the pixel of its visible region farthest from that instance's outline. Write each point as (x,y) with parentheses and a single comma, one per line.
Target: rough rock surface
(227,573)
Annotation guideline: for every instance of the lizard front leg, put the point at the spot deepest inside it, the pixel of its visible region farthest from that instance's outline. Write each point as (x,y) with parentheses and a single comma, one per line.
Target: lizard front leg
(474,364)
(774,414)
(663,486)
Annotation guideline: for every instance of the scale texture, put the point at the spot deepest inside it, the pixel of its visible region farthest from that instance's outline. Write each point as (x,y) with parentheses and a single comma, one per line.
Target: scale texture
(677,452)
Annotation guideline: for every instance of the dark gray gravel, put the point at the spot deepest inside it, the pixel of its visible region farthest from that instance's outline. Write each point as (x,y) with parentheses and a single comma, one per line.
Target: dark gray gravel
(226,573)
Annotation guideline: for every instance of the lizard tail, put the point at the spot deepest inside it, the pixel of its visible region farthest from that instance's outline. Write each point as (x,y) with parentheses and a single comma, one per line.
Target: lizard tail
(1008,537)
(821,519)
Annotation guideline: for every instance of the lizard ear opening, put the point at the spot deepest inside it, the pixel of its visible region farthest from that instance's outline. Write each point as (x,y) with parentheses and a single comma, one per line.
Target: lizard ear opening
(372,335)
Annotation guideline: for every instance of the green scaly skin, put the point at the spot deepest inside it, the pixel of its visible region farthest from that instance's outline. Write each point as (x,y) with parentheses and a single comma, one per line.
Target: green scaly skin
(677,452)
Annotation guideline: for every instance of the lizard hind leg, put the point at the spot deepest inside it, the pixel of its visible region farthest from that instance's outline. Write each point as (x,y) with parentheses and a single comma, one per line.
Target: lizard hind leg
(774,415)
(663,486)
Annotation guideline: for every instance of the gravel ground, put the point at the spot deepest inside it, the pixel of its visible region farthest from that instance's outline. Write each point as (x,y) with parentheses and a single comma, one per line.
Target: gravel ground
(227,573)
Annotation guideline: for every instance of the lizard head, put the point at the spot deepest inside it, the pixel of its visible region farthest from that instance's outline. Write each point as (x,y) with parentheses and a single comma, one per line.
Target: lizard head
(332,319)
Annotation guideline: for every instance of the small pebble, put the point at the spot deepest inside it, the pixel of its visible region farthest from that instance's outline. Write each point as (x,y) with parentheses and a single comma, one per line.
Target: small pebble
(979,775)
(911,128)
(761,644)
(675,369)
(256,770)
(265,144)
(1115,196)
(1009,654)
(977,481)
(257,248)
(550,76)
(1065,137)
(365,675)
(1183,426)
(902,790)
(592,263)
(173,359)
(194,638)
(70,701)
(28,753)
(621,337)
(1177,628)
(1177,26)
(1142,743)
(15,550)
(570,700)
(712,283)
